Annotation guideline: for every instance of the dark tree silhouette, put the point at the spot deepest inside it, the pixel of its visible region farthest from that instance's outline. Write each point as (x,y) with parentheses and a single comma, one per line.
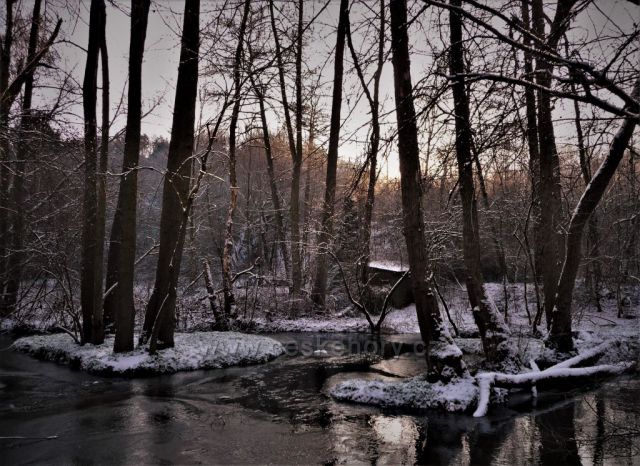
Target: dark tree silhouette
(160,312)
(319,291)
(444,358)
(91,273)
(122,246)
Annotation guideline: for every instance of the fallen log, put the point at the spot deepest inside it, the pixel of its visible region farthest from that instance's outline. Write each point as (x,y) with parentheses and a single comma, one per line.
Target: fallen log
(534,368)
(552,376)
(586,357)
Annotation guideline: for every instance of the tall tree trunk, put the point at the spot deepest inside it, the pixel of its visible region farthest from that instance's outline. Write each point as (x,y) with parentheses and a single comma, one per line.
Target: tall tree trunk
(103,164)
(91,278)
(319,291)
(275,195)
(444,358)
(308,205)
(296,257)
(594,272)
(24,149)
(493,330)
(548,236)
(374,143)
(560,335)
(160,312)
(531,113)
(119,303)
(5,156)
(296,250)
(227,254)
(534,157)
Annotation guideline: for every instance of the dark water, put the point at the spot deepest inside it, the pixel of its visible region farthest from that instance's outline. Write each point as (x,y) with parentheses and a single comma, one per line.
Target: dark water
(279,413)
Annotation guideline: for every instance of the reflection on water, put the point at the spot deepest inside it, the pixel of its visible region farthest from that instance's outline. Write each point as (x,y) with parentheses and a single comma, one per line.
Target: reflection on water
(557,436)
(279,413)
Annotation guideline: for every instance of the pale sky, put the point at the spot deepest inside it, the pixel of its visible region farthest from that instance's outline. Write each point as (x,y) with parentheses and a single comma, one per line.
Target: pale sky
(162,50)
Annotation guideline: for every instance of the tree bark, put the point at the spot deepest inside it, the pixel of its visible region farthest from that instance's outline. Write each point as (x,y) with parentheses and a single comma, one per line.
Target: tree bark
(493,330)
(297,164)
(296,257)
(548,236)
(91,273)
(532,131)
(119,303)
(227,282)
(319,291)
(308,188)
(103,163)
(24,149)
(5,148)
(560,336)
(160,310)
(594,272)
(441,365)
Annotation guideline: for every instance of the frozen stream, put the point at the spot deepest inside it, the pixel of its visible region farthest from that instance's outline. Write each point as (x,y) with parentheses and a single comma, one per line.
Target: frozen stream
(278,413)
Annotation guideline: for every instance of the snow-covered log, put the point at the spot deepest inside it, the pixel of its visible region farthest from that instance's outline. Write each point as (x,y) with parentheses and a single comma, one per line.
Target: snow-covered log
(586,356)
(554,375)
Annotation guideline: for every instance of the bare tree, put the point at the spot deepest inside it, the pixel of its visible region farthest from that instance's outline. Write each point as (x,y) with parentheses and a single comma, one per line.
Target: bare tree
(560,336)
(259,91)
(297,162)
(91,274)
(122,246)
(5,147)
(444,358)
(10,86)
(319,291)
(16,259)
(548,238)
(532,144)
(374,139)
(294,212)
(227,283)
(493,330)
(160,312)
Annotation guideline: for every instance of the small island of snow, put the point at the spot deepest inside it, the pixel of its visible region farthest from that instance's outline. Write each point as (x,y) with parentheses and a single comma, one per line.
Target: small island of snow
(192,351)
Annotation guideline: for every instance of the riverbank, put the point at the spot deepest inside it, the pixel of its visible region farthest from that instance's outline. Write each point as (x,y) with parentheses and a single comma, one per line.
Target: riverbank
(192,351)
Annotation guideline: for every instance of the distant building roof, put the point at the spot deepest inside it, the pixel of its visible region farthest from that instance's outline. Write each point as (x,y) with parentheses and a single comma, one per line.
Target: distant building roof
(389,265)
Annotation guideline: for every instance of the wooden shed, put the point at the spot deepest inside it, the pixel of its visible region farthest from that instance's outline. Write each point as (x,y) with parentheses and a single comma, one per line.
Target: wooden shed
(386,274)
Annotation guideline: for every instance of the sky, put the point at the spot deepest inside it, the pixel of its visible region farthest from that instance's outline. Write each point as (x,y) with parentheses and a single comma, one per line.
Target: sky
(162,51)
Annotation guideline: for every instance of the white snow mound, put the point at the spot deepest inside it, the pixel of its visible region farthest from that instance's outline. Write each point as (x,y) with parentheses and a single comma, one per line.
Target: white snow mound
(459,394)
(192,351)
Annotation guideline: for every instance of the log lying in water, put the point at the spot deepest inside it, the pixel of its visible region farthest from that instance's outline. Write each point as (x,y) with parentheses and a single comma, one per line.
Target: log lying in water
(553,376)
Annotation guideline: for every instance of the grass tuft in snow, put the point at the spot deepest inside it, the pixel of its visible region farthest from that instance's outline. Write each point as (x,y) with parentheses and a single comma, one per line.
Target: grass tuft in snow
(192,351)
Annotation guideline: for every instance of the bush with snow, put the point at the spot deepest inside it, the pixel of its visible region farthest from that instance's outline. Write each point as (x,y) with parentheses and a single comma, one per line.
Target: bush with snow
(192,351)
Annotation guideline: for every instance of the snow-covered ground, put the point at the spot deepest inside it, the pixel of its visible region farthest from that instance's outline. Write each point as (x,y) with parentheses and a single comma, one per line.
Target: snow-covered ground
(192,351)
(591,329)
(460,394)
(211,350)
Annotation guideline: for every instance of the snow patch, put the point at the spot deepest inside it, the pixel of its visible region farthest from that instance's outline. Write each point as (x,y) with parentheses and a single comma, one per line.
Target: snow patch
(457,395)
(192,351)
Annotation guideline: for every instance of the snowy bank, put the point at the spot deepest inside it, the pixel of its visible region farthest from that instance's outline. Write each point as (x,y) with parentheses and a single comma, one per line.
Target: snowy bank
(415,393)
(398,321)
(464,393)
(192,351)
